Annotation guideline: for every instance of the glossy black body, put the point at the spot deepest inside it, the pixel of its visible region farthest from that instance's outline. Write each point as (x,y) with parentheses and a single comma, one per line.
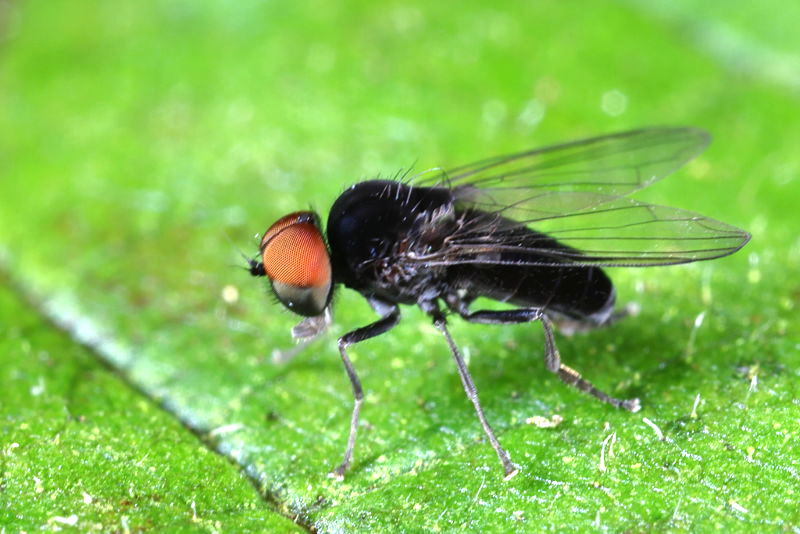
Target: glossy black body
(533,229)
(374,227)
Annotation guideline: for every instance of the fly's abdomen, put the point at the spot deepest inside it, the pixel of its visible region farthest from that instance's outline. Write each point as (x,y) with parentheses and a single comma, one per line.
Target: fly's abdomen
(583,293)
(577,291)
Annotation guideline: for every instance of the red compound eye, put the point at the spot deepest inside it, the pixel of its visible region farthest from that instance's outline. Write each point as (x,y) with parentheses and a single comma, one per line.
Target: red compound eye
(296,260)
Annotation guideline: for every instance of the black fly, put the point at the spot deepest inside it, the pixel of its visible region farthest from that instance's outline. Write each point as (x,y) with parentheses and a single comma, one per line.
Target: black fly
(533,229)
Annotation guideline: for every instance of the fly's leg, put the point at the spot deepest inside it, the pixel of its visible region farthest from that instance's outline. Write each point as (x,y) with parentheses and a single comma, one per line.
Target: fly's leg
(472,393)
(552,358)
(390,318)
(304,332)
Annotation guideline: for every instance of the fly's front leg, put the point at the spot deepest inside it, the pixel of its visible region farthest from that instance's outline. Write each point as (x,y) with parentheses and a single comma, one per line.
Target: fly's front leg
(551,356)
(390,317)
(304,332)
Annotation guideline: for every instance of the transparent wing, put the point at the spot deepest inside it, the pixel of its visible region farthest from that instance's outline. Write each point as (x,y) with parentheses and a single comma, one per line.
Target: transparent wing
(566,204)
(615,164)
(612,231)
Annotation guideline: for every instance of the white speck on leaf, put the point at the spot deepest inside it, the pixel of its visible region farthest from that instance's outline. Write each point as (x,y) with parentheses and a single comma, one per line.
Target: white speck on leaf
(693,415)
(655,428)
(71,520)
(614,103)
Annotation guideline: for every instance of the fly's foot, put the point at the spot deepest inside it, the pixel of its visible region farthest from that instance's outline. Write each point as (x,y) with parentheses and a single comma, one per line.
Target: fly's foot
(632,405)
(338,473)
(511,472)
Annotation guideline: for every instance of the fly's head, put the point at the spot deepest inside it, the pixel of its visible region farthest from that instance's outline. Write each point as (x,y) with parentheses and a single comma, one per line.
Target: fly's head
(295,258)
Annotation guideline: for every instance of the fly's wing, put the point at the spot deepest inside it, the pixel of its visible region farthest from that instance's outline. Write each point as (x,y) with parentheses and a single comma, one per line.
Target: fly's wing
(615,164)
(612,232)
(570,197)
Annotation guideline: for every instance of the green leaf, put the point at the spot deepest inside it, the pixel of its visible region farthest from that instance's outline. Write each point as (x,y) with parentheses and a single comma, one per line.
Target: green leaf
(81,448)
(143,145)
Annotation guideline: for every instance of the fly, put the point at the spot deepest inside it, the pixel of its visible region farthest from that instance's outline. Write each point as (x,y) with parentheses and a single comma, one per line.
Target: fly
(534,229)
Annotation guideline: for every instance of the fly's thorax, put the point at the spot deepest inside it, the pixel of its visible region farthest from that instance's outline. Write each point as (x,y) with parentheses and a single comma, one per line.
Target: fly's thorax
(372,227)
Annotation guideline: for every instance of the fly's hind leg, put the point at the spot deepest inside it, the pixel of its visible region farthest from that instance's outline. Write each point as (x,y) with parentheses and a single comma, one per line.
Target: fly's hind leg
(552,358)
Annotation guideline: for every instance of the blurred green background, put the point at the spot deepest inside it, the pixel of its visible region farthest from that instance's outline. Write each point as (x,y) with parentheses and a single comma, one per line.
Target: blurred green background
(142,144)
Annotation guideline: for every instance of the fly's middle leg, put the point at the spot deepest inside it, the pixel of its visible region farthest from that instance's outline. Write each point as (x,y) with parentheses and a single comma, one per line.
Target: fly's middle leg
(552,357)
(440,323)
